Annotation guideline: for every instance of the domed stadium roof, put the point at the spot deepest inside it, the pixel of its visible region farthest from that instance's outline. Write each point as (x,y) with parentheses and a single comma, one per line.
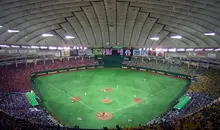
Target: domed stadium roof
(91,23)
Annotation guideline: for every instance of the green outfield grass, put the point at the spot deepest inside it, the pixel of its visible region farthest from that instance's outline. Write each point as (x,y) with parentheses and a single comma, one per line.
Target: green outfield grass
(158,92)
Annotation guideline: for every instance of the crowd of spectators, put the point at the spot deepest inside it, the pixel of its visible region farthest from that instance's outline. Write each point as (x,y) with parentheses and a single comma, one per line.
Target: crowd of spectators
(202,91)
(17,105)
(206,76)
(16,80)
(207,118)
(200,113)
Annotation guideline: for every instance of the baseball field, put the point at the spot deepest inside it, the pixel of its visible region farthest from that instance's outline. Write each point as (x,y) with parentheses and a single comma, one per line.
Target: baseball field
(106,97)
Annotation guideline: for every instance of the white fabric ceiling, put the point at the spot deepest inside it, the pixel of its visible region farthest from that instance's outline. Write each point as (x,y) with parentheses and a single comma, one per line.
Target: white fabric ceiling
(97,22)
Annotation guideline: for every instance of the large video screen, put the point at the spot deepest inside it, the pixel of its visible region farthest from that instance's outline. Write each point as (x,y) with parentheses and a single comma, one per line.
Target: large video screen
(128,52)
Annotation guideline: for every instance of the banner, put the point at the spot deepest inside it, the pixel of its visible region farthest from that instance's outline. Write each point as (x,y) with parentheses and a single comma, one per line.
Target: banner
(159,53)
(12,51)
(108,51)
(121,51)
(22,51)
(191,54)
(144,53)
(89,52)
(57,54)
(66,52)
(136,52)
(211,55)
(98,51)
(152,53)
(2,51)
(74,52)
(82,52)
(32,51)
(201,54)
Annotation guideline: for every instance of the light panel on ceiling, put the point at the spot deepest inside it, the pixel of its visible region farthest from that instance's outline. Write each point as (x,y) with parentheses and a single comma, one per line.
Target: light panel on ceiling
(176,37)
(69,37)
(209,34)
(47,35)
(155,38)
(13,31)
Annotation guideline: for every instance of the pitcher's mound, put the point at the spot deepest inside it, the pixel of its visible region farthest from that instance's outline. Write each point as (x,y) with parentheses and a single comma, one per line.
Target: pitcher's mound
(109,89)
(76,99)
(138,100)
(104,116)
(106,100)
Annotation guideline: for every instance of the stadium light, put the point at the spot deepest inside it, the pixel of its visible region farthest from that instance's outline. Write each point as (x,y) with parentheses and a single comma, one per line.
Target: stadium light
(172,50)
(181,49)
(140,49)
(74,47)
(155,38)
(25,47)
(144,48)
(210,34)
(52,48)
(158,49)
(85,48)
(66,48)
(5,46)
(164,50)
(47,35)
(0,26)
(217,49)
(13,31)
(77,47)
(176,37)
(209,49)
(43,47)
(15,46)
(151,49)
(189,49)
(60,48)
(34,47)
(80,47)
(69,37)
(199,49)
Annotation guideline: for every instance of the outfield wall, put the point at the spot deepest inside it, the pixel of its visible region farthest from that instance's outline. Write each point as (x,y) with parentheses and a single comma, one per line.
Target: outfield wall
(158,71)
(48,72)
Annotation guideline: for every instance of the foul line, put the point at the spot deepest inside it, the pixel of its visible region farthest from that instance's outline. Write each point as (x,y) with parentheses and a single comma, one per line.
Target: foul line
(71,96)
(130,105)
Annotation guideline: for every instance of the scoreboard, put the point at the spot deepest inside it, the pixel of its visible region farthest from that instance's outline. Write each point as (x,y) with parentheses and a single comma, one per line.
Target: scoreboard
(113,51)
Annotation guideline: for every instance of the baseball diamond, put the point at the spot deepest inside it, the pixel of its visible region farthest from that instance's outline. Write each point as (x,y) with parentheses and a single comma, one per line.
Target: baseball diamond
(128,100)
